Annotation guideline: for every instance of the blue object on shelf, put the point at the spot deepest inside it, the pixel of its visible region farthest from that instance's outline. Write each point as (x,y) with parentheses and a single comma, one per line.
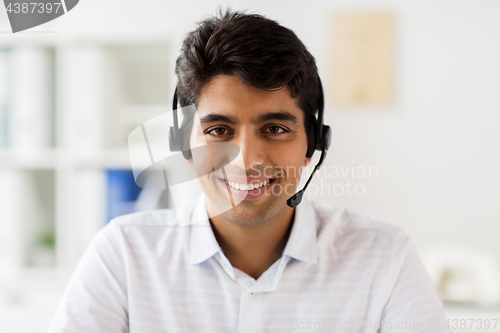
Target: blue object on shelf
(122,192)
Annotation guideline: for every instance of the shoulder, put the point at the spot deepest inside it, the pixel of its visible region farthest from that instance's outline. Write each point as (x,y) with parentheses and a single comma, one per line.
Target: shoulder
(350,220)
(349,228)
(145,231)
(159,218)
(149,218)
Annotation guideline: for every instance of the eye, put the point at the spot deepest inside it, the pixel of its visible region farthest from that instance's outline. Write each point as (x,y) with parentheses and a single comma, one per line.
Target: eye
(217,131)
(276,130)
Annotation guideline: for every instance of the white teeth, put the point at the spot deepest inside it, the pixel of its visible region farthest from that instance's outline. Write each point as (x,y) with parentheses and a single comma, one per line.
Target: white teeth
(265,182)
(246,187)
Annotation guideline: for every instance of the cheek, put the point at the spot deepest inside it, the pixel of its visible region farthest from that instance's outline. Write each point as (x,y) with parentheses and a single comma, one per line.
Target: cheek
(291,161)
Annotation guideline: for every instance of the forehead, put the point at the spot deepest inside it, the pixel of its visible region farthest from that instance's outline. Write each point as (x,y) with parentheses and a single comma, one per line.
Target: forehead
(228,95)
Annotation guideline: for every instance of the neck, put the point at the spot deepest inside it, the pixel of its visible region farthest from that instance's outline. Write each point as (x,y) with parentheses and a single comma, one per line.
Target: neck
(253,249)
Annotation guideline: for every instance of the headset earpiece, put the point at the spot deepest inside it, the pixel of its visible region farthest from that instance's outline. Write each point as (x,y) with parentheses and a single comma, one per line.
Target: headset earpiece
(311,137)
(185,138)
(173,141)
(326,137)
(317,131)
(178,141)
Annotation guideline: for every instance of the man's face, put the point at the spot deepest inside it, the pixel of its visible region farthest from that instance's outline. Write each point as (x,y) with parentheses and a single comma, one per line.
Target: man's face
(268,127)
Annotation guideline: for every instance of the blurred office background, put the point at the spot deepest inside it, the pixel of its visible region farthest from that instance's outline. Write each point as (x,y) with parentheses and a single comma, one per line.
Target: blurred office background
(421,152)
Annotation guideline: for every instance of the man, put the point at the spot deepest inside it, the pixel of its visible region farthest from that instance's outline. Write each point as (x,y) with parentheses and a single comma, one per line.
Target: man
(260,266)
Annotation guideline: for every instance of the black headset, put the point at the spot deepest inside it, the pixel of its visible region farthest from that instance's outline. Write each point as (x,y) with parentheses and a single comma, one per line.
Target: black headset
(319,137)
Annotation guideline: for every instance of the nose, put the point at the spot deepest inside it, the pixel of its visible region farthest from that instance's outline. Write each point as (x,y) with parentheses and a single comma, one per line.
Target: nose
(252,150)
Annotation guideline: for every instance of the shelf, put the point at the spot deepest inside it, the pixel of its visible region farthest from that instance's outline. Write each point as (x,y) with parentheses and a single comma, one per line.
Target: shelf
(28,160)
(115,159)
(53,38)
(60,159)
(56,182)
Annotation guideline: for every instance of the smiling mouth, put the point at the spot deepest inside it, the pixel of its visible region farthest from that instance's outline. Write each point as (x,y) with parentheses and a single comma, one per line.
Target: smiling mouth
(247,187)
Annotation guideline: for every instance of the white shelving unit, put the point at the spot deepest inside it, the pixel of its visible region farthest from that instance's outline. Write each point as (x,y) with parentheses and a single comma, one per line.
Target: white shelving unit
(100,88)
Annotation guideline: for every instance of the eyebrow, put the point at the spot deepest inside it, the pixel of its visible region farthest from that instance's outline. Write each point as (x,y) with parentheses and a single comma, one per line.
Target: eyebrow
(280,115)
(212,118)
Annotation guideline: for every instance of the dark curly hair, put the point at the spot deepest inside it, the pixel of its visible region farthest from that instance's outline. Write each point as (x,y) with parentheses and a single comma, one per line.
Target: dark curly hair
(255,49)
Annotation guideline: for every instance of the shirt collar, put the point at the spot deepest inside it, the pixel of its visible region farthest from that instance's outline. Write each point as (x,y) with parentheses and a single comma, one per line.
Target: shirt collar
(203,244)
(301,244)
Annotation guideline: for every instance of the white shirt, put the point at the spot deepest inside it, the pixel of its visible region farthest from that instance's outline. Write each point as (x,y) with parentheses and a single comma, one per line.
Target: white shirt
(340,271)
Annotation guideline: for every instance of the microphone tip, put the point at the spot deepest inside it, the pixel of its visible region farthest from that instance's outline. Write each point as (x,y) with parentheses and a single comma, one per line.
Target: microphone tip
(295,199)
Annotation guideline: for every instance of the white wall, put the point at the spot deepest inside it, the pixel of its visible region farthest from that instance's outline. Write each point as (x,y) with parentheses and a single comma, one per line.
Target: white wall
(436,147)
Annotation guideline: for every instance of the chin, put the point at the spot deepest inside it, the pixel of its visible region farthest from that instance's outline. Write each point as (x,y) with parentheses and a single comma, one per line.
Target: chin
(253,212)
